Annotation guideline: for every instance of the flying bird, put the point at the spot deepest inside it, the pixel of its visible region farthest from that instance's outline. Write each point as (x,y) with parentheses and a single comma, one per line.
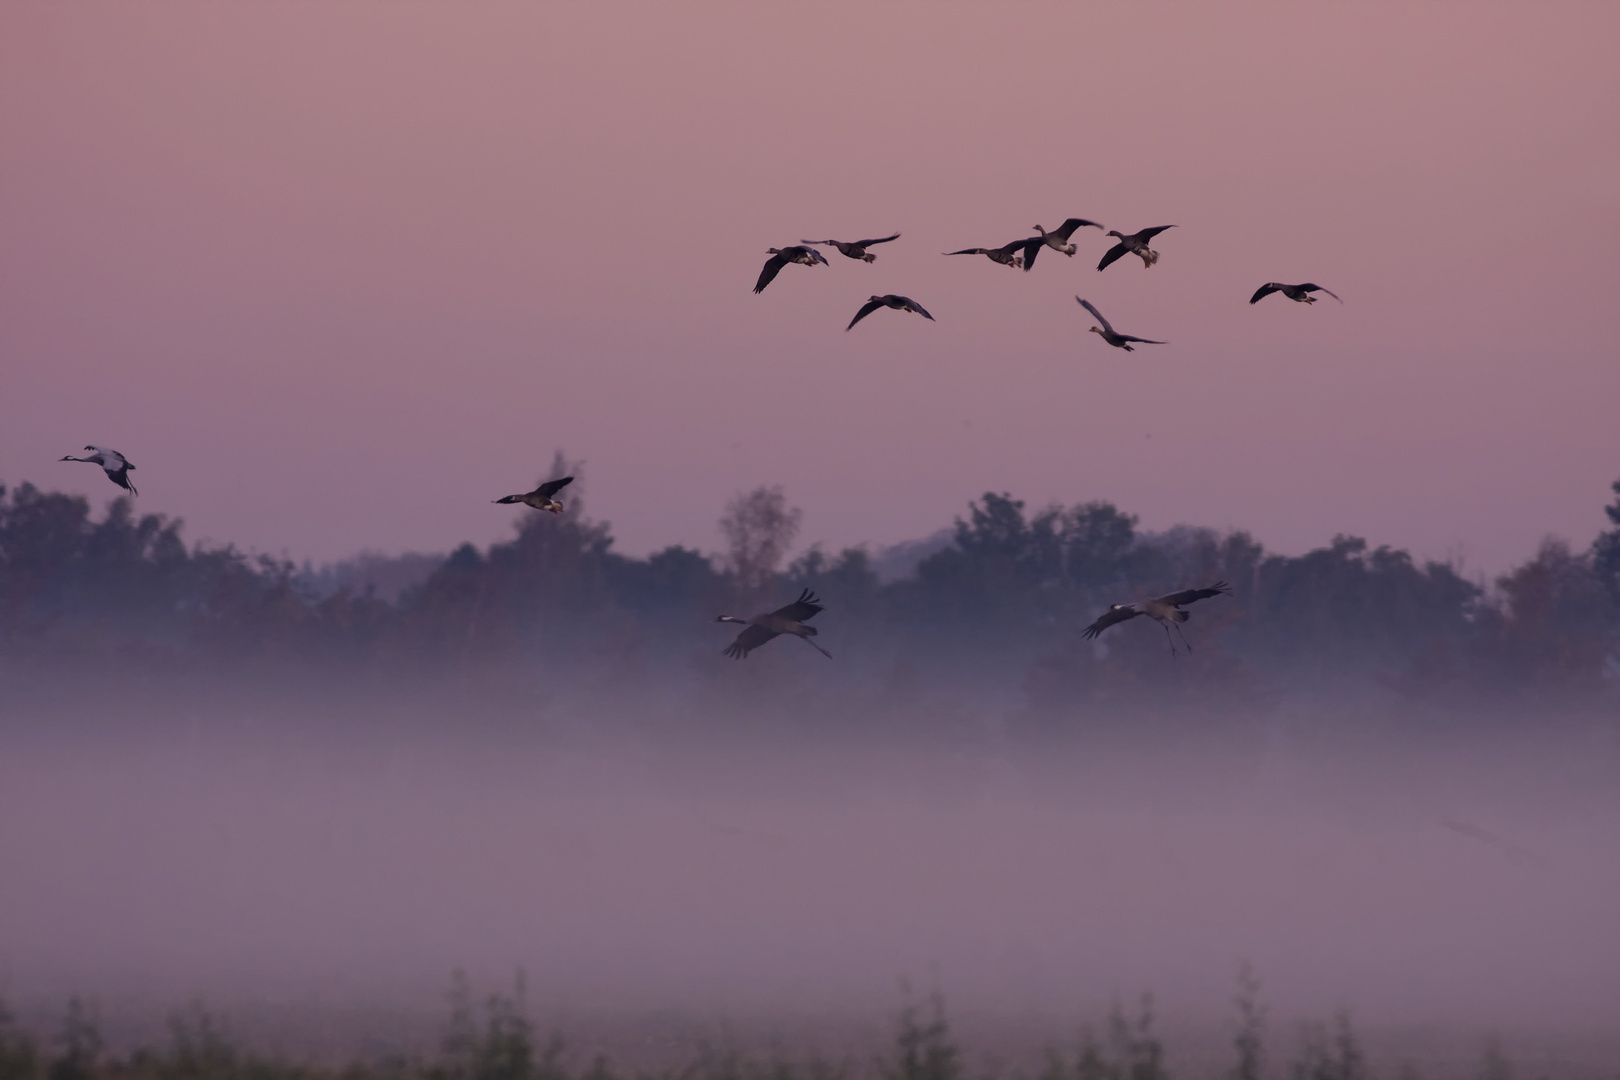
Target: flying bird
(1007,255)
(1293,292)
(541,498)
(856,249)
(114,464)
(1165,610)
(791,619)
(899,303)
(1118,340)
(1134,244)
(780,257)
(1058,239)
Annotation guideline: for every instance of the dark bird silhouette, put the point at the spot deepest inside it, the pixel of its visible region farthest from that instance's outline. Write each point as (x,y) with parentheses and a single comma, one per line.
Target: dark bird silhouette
(114,464)
(1300,293)
(1008,254)
(1165,610)
(541,498)
(899,303)
(780,257)
(1119,341)
(1134,244)
(856,249)
(1058,238)
(791,619)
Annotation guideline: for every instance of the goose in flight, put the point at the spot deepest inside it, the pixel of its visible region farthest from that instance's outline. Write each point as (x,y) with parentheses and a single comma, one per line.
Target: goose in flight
(541,498)
(857,249)
(791,619)
(1058,238)
(1118,340)
(1300,293)
(1165,610)
(1134,244)
(1007,255)
(899,303)
(780,257)
(114,464)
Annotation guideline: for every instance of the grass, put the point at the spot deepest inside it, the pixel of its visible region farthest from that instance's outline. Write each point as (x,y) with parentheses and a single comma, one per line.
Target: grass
(491,1037)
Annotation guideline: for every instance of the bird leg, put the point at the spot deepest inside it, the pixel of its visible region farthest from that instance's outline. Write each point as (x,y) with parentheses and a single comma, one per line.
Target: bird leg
(816,647)
(1170,639)
(1183,637)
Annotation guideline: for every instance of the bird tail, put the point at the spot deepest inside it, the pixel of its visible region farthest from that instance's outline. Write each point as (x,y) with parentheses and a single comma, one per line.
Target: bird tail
(1180,616)
(811,631)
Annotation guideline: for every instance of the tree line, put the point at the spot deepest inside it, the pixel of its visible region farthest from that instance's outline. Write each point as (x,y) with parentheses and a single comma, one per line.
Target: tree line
(1001,603)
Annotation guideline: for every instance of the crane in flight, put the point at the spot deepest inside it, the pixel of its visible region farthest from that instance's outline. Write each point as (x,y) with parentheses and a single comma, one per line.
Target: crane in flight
(114,464)
(1164,610)
(791,619)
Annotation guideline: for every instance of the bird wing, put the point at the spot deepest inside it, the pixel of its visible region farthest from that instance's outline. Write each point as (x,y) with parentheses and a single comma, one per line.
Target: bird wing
(1308,287)
(815,256)
(1032,247)
(1265,290)
(1096,314)
(1111,255)
(773,266)
(969,251)
(879,240)
(918,308)
(1109,618)
(551,487)
(750,639)
(866,309)
(1141,340)
(1066,230)
(805,607)
(1147,234)
(1187,596)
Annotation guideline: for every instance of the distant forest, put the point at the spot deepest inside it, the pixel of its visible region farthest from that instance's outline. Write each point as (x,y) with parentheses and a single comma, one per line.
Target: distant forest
(995,613)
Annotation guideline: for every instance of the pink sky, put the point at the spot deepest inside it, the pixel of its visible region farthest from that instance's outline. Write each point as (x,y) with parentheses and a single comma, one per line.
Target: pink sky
(336,275)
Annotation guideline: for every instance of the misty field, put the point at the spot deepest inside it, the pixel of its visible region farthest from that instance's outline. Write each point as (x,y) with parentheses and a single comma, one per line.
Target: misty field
(726,893)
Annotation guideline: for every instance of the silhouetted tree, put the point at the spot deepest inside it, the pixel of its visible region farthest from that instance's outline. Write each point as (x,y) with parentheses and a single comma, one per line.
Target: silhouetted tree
(1606,550)
(759,528)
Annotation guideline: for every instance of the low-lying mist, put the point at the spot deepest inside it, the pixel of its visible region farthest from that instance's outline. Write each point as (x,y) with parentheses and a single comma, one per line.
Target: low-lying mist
(306,847)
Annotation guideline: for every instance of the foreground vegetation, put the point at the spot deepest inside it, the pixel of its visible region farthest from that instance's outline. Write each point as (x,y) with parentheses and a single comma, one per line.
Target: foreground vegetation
(494,1039)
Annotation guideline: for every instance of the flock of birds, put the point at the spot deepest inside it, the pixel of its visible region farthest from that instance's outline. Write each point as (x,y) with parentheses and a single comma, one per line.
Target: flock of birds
(794,619)
(1019,254)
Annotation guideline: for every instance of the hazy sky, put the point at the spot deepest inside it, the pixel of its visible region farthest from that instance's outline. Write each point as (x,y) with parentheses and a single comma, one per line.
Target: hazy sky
(336,275)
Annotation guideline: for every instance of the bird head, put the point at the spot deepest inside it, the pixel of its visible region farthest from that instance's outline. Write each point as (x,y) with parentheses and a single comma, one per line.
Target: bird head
(1095,329)
(1116,232)
(879,299)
